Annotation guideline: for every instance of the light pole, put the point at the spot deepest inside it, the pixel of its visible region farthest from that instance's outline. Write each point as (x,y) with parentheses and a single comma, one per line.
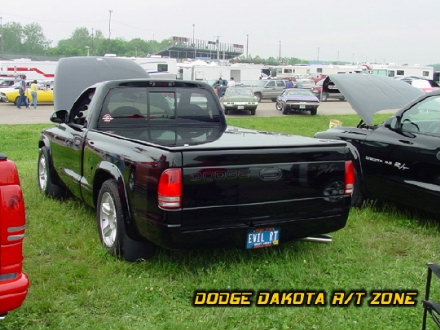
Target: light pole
(279,50)
(194,42)
(247,45)
(109,23)
(218,48)
(1,35)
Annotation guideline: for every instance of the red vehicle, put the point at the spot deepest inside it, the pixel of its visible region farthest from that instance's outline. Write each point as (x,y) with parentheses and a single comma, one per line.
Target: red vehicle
(325,89)
(14,283)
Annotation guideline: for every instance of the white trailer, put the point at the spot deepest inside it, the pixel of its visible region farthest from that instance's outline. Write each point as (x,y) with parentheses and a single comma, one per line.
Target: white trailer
(211,72)
(33,70)
(158,67)
(401,71)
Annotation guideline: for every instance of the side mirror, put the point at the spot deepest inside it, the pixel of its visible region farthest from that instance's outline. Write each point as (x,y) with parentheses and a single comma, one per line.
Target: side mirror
(393,123)
(59,116)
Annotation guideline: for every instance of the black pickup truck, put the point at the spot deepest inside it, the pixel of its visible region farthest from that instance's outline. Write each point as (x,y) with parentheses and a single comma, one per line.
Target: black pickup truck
(162,168)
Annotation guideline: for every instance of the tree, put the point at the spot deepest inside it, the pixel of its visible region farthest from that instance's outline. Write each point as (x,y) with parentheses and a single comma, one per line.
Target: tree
(12,34)
(24,40)
(34,41)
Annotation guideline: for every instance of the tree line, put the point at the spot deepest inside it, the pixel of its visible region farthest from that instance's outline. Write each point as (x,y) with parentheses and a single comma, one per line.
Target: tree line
(29,40)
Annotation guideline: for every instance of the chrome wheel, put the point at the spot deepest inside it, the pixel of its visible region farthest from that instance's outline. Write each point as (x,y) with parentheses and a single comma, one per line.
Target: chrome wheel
(42,173)
(108,219)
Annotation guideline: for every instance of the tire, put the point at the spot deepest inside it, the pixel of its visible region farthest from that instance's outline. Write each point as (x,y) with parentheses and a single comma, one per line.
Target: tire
(324,97)
(278,106)
(273,100)
(111,226)
(258,95)
(16,100)
(313,111)
(284,109)
(226,111)
(48,181)
(253,112)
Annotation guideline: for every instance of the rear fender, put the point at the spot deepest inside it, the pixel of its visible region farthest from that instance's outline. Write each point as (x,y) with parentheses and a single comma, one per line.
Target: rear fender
(105,171)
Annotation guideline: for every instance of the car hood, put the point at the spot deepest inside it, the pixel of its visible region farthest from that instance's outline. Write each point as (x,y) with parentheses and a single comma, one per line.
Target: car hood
(368,94)
(74,74)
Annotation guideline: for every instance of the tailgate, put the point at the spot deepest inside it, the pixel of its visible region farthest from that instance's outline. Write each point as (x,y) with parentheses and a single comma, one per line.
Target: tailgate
(262,184)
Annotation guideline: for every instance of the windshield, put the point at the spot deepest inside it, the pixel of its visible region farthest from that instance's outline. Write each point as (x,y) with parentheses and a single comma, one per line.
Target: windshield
(239,92)
(299,92)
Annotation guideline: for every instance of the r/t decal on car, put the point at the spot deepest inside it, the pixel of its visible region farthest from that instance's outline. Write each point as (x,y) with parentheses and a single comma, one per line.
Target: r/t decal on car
(397,165)
(107,118)
(401,166)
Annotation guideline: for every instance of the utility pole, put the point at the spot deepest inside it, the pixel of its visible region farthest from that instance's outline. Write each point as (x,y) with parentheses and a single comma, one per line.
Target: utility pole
(110,24)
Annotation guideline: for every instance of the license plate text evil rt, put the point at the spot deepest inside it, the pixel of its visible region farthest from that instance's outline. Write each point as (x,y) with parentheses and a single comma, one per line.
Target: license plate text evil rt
(264,237)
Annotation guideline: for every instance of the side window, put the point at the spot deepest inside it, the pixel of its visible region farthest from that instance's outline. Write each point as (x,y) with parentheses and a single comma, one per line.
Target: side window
(80,109)
(423,118)
(271,84)
(280,84)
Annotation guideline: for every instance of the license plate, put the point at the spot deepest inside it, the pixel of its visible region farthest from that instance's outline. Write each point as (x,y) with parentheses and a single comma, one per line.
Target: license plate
(302,106)
(240,107)
(263,237)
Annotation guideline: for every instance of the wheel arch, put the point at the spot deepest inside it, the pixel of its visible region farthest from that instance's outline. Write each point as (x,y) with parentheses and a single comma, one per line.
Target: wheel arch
(107,171)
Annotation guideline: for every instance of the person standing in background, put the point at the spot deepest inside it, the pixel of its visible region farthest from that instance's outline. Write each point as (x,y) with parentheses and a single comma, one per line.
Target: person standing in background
(22,90)
(34,89)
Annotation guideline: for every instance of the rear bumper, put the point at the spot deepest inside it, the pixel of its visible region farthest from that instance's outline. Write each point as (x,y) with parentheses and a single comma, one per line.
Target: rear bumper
(235,234)
(299,106)
(13,293)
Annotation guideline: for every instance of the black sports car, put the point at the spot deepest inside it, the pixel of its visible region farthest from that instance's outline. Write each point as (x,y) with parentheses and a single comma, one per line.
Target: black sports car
(399,160)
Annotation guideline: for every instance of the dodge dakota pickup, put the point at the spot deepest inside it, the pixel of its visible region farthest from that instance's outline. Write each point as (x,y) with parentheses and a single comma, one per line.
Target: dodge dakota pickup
(162,168)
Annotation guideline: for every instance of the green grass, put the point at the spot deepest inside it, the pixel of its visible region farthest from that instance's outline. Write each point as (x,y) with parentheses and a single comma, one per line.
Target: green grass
(75,284)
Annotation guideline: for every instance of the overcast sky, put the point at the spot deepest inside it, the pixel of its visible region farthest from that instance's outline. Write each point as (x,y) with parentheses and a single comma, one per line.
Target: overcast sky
(399,31)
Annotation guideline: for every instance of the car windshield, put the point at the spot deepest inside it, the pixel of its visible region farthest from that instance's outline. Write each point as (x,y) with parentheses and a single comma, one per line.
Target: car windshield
(6,83)
(261,83)
(238,92)
(424,117)
(295,92)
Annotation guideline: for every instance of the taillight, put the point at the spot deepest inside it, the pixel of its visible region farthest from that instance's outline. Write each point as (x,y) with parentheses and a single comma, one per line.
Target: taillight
(170,189)
(350,177)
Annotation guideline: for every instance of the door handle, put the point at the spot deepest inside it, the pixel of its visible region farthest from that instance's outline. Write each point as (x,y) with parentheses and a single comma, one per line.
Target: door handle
(405,141)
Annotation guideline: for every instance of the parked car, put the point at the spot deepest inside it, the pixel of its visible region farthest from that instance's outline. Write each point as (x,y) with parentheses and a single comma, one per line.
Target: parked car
(14,283)
(425,85)
(7,82)
(268,89)
(45,96)
(399,159)
(239,98)
(326,89)
(162,168)
(305,83)
(297,99)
